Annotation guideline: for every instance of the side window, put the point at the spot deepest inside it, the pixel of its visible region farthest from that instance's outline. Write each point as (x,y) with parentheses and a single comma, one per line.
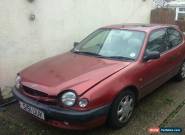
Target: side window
(157,41)
(174,37)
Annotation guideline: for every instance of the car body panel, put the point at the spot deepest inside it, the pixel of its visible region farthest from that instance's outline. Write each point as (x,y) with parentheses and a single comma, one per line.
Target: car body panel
(69,71)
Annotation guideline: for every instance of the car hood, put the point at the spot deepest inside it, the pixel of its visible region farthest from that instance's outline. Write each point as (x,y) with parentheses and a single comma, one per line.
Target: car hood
(69,71)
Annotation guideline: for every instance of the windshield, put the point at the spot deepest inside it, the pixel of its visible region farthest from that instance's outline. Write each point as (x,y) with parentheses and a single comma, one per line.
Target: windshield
(112,43)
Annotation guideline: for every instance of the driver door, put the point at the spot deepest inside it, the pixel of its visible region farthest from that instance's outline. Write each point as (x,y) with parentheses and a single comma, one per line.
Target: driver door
(156,71)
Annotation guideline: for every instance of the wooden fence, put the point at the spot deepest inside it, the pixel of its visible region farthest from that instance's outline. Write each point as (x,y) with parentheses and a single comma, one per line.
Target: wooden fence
(163,16)
(166,16)
(181,25)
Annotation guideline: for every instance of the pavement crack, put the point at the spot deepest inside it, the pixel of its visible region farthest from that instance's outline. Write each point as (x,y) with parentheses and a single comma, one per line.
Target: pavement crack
(172,114)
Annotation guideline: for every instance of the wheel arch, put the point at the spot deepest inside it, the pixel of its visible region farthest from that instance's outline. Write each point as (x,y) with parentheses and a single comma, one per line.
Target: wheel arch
(132,88)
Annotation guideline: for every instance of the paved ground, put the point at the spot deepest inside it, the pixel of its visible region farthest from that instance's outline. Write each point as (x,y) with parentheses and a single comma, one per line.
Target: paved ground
(163,107)
(178,119)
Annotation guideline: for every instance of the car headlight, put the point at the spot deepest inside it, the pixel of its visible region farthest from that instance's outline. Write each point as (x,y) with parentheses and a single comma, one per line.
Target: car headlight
(18,82)
(68,98)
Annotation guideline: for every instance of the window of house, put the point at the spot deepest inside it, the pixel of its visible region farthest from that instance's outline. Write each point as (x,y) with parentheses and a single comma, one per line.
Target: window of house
(180,14)
(182,9)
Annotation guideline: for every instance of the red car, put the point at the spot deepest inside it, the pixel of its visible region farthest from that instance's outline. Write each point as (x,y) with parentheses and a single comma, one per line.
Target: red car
(103,76)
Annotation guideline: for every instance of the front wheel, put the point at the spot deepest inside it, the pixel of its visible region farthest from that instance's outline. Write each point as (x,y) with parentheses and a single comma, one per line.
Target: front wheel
(122,109)
(181,74)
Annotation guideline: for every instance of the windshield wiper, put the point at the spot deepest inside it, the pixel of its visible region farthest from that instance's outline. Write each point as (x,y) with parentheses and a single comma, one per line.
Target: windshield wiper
(101,56)
(88,53)
(119,58)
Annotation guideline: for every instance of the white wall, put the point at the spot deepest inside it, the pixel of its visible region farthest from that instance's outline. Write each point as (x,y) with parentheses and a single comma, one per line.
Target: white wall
(58,24)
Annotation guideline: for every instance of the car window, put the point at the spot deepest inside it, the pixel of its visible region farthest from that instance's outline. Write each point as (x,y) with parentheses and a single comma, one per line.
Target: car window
(120,44)
(94,44)
(174,37)
(157,41)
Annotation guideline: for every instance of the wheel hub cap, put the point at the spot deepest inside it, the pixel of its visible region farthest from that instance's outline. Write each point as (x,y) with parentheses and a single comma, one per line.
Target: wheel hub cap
(125,108)
(183,70)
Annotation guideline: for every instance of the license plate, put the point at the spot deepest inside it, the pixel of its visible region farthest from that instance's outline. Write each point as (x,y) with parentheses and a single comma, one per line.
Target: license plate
(32,110)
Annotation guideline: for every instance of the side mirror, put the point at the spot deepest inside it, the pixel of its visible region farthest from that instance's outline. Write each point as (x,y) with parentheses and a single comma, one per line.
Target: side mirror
(75,44)
(151,55)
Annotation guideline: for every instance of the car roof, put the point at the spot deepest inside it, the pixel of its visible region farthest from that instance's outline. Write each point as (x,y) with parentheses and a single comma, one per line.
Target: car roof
(139,27)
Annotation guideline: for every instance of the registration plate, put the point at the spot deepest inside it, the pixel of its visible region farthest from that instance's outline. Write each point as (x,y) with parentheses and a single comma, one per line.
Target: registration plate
(32,110)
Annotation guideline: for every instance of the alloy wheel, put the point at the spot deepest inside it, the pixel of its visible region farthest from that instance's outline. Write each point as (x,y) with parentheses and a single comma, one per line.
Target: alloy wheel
(125,108)
(183,70)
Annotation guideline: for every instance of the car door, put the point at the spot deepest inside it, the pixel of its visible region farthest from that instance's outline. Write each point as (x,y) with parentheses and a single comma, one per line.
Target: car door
(156,72)
(175,47)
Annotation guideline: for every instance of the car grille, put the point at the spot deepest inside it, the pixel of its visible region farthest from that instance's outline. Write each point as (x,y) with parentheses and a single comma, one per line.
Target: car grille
(33,92)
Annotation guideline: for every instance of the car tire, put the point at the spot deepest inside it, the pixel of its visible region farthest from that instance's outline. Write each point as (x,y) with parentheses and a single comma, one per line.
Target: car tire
(121,109)
(181,74)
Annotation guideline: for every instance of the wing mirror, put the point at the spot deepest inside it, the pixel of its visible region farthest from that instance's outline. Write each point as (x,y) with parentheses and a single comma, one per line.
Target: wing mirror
(151,55)
(75,44)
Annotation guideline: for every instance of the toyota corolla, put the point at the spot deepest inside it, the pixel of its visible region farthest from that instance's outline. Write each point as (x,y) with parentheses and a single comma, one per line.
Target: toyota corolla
(101,79)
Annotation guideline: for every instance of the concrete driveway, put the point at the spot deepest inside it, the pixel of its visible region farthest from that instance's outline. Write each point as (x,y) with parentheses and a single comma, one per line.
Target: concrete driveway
(157,109)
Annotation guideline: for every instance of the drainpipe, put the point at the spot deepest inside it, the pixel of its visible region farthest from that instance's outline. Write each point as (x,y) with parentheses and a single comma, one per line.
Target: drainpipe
(176,13)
